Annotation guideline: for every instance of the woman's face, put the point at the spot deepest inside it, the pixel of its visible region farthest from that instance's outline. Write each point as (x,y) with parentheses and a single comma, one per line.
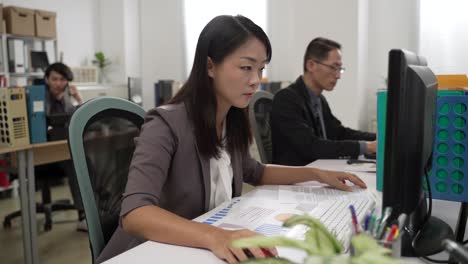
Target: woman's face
(56,83)
(237,77)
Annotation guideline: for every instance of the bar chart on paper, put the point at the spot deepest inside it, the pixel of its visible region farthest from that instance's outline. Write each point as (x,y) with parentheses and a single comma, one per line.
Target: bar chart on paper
(257,215)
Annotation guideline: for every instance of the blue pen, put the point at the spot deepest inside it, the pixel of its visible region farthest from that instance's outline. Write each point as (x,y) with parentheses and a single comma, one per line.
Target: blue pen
(366,222)
(354,219)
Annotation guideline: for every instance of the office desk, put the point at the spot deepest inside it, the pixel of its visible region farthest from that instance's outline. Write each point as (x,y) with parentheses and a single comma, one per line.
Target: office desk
(151,251)
(45,153)
(24,158)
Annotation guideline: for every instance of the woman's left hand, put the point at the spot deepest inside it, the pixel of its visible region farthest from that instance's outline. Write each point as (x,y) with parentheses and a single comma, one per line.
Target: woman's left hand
(337,179)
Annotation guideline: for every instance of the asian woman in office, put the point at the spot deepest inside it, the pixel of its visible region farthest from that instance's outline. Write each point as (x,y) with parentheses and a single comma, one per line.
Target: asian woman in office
(192,154)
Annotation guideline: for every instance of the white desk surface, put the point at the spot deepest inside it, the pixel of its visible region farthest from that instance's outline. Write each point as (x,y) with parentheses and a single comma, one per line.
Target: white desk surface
(151,252)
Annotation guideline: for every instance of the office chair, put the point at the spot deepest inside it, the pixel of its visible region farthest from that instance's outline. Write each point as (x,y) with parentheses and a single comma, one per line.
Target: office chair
(46,175)
(259,115)
(101,142)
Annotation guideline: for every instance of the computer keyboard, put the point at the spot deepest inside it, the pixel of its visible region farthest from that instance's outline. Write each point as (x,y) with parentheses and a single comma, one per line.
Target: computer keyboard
(336,216)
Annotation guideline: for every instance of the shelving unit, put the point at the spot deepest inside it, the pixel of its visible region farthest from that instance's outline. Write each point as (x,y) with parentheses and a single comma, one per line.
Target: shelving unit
(26,74)
(31,44)
(2,189)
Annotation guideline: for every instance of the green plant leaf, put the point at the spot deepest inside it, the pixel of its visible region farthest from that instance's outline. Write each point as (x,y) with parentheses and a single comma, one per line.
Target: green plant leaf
(363,243)
(371,257)
(100,60)
(320,245)
(327,243)
(339,259)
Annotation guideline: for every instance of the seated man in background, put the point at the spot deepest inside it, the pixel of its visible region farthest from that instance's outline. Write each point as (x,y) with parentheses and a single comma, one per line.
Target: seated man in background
(59,92)
(59,100)
(303,126)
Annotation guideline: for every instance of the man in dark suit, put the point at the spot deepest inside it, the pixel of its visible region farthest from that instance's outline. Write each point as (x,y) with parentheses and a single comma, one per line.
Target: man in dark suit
(303,126)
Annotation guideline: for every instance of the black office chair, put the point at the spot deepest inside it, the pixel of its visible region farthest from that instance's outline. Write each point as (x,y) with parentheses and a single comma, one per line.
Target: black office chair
(46,176)
(272,87)
(101,143)
(259,114)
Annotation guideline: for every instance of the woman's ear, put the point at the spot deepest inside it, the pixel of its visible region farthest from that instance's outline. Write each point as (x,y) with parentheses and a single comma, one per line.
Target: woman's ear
(210,67)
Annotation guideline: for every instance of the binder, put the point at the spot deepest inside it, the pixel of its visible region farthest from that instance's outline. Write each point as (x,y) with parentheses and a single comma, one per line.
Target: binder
(16,55)
(35,100)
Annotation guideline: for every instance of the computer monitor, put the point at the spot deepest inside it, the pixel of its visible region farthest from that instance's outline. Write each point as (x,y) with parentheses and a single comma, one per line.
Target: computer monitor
(39,60)
(411,109)
(57,126)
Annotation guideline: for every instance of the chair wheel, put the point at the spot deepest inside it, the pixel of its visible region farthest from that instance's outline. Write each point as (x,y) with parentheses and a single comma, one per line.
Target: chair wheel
(6,224)
(47,226)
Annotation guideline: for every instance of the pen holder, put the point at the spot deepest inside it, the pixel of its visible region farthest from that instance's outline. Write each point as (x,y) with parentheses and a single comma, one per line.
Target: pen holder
(394,246)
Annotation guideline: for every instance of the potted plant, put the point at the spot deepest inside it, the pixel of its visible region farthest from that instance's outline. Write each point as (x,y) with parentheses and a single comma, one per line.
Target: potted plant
(101,62)
(320,245)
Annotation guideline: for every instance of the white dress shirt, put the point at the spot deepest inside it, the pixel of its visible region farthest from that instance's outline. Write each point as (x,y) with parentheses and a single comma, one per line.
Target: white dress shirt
(221,176)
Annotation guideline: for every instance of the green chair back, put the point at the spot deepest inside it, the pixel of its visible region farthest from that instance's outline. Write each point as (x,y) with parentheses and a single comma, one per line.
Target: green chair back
(101,144)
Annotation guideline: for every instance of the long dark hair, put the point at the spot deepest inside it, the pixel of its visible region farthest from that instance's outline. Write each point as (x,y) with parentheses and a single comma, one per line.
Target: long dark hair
(220,37)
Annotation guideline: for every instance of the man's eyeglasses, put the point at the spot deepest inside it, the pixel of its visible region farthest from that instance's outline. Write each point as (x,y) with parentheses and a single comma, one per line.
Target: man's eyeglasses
(335,69)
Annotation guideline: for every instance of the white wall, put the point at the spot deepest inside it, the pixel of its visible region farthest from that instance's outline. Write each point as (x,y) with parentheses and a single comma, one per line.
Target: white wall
(386,32)
(76,21)
(366,29)
(362,57)
(293,24)
(146,38)
(132,38)
(444,38)
(162,44)
(111,26)
(196,15)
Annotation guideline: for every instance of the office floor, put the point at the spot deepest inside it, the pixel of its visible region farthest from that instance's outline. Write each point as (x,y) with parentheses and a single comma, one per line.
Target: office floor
(63,244)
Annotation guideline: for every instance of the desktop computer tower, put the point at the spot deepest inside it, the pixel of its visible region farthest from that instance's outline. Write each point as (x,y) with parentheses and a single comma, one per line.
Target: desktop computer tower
(35,101)
(163,92)
(135,93)
(14,130)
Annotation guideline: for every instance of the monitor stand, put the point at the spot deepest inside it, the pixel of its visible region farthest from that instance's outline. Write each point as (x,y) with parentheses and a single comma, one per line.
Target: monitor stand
(430,240)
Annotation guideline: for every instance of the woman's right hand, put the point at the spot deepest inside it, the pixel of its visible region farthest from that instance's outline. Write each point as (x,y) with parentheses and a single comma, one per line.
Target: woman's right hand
(337,179)
(221,241)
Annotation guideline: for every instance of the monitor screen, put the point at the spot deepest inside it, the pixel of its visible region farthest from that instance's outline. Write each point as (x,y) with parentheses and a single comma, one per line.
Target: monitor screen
(39,60)
(411,110)
(58,119)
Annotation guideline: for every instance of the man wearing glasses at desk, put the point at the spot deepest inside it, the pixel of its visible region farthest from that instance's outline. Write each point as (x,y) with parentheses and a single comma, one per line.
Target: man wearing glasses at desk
(303,126)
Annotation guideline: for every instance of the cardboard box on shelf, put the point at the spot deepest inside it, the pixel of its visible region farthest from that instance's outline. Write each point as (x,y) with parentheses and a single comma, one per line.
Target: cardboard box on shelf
(19,20)
(45,24)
